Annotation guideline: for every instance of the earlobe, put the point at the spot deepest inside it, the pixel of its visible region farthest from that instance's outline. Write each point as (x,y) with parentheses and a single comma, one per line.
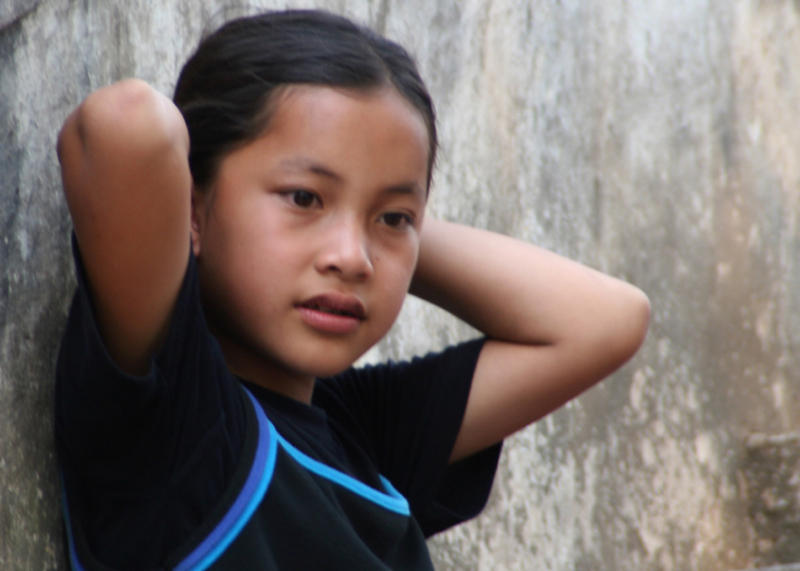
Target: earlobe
(195,222)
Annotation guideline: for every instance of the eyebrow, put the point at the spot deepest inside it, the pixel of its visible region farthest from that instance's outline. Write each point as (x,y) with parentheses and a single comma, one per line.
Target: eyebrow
(309,165)
(405,188)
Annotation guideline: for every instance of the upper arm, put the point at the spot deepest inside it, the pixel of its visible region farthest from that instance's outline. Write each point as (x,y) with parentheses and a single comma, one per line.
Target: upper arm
(554,327)
(515,384)
(123,155)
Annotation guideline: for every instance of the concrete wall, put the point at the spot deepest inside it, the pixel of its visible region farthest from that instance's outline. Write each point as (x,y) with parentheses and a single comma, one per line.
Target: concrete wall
(654,140)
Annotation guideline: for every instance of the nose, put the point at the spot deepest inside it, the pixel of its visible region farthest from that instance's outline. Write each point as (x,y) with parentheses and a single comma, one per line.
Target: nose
(345,251)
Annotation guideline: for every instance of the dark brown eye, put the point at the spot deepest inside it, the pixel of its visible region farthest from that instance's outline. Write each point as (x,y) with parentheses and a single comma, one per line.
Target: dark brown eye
(397,220)
(302,198)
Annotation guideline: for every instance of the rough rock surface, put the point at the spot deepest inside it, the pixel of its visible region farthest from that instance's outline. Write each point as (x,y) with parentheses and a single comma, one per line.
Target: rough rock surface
(653,140)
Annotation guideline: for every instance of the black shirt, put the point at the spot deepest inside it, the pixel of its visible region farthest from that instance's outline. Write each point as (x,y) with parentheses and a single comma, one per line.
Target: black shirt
(146,460)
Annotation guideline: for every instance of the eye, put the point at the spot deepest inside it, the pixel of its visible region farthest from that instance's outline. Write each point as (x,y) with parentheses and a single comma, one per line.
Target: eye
(397,220)
(302,198)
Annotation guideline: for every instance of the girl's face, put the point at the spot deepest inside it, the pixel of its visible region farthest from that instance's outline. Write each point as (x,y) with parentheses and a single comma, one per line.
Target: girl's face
(308,240)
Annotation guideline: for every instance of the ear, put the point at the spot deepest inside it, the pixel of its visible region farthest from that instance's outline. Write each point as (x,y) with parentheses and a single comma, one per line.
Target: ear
(198,218)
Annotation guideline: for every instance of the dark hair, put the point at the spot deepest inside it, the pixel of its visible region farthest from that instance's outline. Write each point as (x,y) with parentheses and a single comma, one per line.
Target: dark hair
(226,88)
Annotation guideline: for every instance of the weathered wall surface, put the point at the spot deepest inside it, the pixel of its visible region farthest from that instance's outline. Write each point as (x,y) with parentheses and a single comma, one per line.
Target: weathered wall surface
(654,140)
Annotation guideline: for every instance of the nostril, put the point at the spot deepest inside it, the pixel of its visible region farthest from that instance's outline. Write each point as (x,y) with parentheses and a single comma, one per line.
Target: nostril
(347,253)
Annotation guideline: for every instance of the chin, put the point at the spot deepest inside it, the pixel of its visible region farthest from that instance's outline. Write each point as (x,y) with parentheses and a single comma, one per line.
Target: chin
(330,364)
(330,369)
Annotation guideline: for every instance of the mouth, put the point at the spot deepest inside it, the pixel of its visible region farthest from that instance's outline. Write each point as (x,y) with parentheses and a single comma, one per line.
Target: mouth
(336,304)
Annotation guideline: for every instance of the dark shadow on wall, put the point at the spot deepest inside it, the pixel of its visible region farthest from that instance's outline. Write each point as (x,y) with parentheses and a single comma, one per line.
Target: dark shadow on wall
(11,11)
(770,474)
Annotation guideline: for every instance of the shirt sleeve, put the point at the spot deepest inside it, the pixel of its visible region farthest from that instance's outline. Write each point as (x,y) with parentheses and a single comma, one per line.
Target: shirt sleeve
(158,448)
(409,414)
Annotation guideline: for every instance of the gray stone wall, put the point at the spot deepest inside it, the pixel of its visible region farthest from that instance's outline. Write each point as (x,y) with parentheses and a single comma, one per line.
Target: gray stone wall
(654,140)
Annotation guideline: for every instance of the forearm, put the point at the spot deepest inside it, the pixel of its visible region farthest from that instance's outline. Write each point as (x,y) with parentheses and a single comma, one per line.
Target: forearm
(555,327)
(516,292)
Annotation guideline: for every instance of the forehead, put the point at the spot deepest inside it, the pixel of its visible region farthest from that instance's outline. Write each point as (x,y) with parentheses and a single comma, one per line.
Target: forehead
(335,96)
(358,132)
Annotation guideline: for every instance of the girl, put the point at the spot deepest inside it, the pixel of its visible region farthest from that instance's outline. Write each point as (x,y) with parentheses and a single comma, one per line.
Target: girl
(236,252)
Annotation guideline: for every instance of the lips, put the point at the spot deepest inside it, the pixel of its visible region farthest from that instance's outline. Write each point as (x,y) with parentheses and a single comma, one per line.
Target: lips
(332,313)
(336,304)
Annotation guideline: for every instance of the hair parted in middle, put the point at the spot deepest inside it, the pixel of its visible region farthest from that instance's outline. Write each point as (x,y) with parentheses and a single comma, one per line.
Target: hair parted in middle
(226,91)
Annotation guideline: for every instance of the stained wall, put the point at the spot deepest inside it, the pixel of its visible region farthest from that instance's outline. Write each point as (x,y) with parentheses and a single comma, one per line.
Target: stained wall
(655,140)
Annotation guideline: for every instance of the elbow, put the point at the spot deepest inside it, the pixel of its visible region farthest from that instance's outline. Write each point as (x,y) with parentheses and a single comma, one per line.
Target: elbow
(613,336)
(126,135)
(108,109)
(129,117)
(641,318)
(66,135)
(633,320)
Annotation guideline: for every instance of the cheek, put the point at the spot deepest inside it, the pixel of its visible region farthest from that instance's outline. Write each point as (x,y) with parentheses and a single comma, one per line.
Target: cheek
(228,265)
(397,279)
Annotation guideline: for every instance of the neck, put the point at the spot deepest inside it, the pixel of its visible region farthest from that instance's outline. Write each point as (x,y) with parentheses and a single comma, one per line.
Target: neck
(268,373)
